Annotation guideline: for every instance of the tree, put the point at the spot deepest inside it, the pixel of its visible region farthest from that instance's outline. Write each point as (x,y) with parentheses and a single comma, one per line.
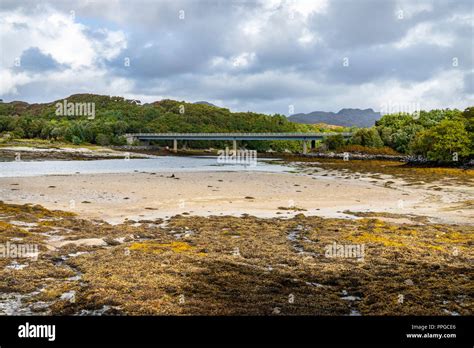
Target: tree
(367,137)
(102,139)
(397,130)
(468,119)
(445,142)
(334,142)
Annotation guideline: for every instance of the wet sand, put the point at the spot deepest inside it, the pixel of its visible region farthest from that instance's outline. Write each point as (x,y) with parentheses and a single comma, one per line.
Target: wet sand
(413,239)
(116,197)
(190,265)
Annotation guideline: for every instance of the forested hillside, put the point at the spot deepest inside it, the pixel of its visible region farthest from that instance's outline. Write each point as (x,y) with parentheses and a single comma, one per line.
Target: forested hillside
(115,116)
(436,135)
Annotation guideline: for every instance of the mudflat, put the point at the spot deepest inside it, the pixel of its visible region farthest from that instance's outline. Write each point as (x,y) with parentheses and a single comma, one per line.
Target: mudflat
(327,239)
(325,192)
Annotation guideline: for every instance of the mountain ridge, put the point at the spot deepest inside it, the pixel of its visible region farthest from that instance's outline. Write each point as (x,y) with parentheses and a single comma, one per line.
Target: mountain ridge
(346,117)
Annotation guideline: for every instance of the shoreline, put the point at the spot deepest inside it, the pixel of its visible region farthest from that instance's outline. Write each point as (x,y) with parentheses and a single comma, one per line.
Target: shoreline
(205,235)
(191,265)
(313,186)
(63,151)
(115,197)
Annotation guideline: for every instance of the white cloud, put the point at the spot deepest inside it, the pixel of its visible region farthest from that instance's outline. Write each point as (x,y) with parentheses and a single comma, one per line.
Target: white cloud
(436,92)
(56,34)
(411,8)
(308,7)
(243,60)
(307,37)
(240,61)
(10,81)
(52,32)
(424,33)
(112,44)
(252,55)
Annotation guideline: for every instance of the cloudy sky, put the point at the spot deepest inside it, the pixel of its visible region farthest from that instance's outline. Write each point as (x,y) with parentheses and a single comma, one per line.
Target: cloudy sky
(271,56)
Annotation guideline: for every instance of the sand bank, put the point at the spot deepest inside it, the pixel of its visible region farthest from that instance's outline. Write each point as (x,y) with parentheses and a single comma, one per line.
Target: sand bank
(115,197)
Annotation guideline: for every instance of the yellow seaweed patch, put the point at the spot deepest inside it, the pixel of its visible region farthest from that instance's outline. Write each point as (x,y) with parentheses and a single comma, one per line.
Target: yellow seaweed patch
(412,233)
(367,237)
(33,211)
(12,230)
(456,237)
(398,169)
(4,226)
(373,222)
(48,223)
(377,231)
(154,247)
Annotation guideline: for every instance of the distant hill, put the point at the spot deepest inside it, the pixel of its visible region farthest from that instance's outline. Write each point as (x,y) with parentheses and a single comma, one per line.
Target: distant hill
(202,102)
(345,117)
(115,116)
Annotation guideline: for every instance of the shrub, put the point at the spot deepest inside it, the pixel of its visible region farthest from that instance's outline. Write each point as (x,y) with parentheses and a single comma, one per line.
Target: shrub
(385,150)
(76,140)
(102,139)
(334,142)
(442,141)
(367,137)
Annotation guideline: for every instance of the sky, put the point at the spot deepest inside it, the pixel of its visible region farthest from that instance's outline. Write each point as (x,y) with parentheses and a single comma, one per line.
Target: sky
(270,56)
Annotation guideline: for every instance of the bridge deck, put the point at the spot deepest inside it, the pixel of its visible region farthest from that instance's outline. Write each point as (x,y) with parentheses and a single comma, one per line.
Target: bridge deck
(234,136)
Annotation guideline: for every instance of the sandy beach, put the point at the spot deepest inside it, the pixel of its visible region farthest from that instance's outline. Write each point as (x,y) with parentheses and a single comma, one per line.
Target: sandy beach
(138,196)
(240,242)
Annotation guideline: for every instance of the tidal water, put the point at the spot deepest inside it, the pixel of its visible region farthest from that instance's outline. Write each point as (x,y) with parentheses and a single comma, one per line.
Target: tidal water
(155,165)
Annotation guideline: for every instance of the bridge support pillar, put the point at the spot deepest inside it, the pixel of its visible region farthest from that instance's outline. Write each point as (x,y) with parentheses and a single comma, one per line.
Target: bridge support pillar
(175,145)
(131,140)
(305,147)
(234,145)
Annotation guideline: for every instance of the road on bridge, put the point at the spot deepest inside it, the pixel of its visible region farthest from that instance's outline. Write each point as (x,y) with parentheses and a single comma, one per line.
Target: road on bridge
(234,137)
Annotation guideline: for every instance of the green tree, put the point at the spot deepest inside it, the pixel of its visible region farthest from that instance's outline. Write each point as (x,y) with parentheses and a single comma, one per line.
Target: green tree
(443,142)
(76,140)
(334,142)
(102,139)
(397,130)
(367,137)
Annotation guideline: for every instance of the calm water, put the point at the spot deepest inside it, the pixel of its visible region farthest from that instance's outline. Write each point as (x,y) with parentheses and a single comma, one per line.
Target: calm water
(155,165)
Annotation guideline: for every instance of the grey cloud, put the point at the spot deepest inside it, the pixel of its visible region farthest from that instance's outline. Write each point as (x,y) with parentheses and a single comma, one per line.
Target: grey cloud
(173,57)
(352,24)
(469,83)
(413,64)
(34,60)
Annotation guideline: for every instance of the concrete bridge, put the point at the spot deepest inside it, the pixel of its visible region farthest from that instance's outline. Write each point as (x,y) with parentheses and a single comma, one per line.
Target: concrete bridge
(234,137)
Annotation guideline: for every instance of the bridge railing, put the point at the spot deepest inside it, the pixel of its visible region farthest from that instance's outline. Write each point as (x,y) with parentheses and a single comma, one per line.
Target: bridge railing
(236,134)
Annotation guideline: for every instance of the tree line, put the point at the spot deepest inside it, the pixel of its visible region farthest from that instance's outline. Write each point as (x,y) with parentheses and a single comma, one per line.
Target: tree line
(116,116)
(437,135)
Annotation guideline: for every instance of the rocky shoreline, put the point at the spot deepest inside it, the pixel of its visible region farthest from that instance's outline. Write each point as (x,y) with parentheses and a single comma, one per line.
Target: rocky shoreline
(222,265)
(410,160)
(62,152)
(20,153)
